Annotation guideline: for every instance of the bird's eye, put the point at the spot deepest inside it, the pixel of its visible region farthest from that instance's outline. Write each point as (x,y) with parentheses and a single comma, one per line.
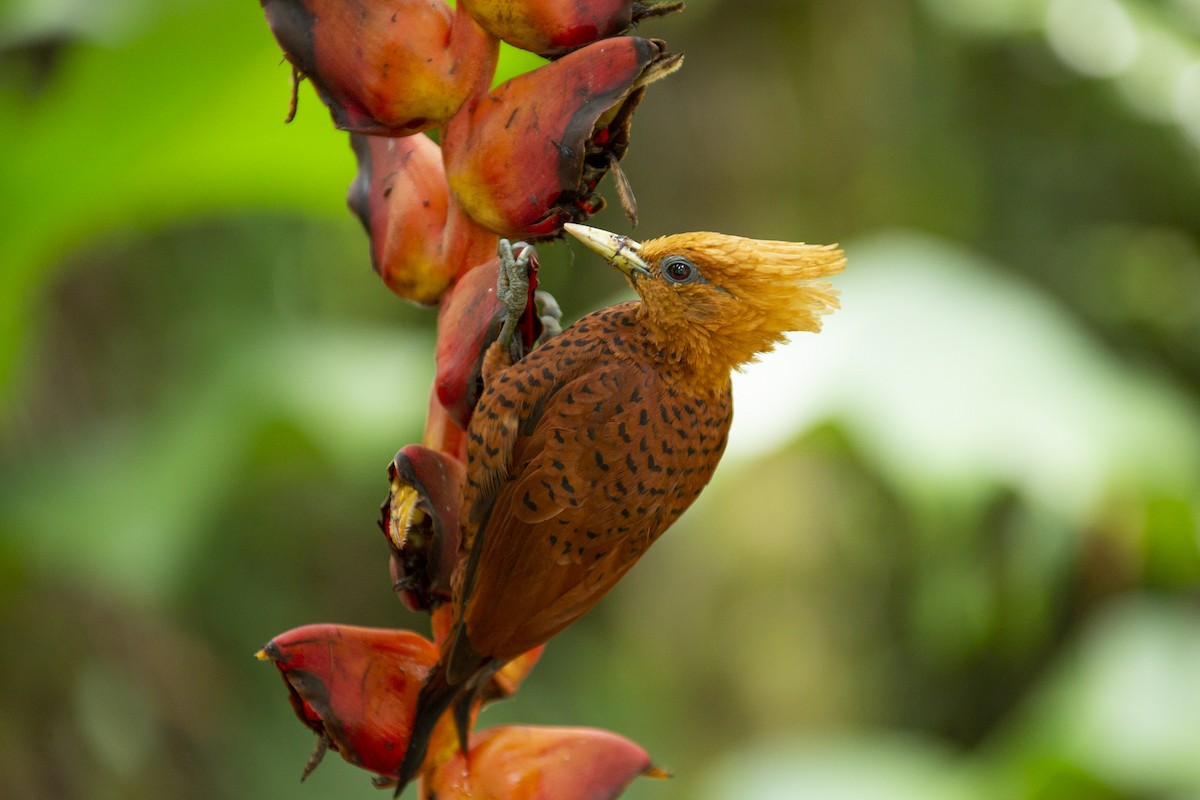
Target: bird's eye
(678,269)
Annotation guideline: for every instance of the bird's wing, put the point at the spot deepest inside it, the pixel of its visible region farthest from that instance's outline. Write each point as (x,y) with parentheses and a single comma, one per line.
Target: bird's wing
(596,474)
(565,451)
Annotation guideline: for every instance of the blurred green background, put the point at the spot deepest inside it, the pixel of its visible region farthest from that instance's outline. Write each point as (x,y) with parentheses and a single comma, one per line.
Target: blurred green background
(952,552)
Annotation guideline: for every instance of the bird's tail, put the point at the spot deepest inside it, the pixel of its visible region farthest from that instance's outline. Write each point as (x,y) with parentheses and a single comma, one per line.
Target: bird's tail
(437,693)
(457,675)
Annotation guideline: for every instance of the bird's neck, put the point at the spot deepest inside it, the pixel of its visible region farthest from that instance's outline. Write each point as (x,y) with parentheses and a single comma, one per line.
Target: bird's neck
(699,357)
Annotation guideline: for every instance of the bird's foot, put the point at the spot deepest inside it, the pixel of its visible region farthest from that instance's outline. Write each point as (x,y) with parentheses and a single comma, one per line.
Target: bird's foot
(549,313)
(512,287)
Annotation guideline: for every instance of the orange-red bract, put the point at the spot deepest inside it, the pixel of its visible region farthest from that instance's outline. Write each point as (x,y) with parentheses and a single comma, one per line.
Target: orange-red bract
(392,67)
(468,321)
(553,27)
(442,431)
(526,157)
(420,239)
(420,521)
(400,195)
(521,762)
(510,677)
(355,687)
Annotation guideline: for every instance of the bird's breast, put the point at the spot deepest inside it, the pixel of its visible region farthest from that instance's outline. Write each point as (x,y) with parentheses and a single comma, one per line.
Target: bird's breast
(581,455)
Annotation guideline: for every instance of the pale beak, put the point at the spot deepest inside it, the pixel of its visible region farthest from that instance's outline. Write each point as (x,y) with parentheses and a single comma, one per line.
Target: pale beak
(620,251)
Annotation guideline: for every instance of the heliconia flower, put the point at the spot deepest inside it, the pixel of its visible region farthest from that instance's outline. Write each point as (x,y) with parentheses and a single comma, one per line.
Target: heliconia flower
(420,239)
(526,156)
(400,196)
(522,762)
(442,430)
(392,67)
(510,677)
(355,687)
(441,620)
(468,321)
(420,520)
(552,27)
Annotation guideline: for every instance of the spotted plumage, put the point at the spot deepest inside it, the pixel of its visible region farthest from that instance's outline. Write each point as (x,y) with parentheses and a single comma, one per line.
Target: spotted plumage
(584,451)
(585,474)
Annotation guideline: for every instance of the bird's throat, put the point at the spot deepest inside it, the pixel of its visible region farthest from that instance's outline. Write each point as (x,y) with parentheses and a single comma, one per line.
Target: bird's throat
(700,354)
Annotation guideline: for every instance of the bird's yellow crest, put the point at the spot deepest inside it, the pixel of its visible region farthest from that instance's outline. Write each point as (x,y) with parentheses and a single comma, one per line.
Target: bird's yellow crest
(714,301)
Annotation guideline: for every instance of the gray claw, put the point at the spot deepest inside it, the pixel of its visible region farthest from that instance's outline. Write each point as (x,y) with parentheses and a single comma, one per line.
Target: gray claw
(549,313)
(512,286)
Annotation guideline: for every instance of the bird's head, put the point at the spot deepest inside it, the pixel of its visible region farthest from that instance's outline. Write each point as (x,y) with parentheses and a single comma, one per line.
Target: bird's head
(713,301)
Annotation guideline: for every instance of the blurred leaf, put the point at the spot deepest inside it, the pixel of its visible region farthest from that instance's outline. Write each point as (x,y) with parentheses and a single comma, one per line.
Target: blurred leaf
(878,768)
(1121,708)
(955,376)
(186,117)
(90,156)
(1172,543)
(143,498)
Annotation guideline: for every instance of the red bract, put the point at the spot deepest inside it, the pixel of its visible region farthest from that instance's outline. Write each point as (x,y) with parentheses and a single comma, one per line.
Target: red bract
(392,67)
(468,322)
(355,687)
(420,520)
(540,763)
(526,157)
(510,677)
(420,239)
(400,196)
(553,27)
(442,431)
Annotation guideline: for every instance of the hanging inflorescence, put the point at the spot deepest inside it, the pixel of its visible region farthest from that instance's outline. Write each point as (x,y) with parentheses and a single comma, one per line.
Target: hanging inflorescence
(515,161)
